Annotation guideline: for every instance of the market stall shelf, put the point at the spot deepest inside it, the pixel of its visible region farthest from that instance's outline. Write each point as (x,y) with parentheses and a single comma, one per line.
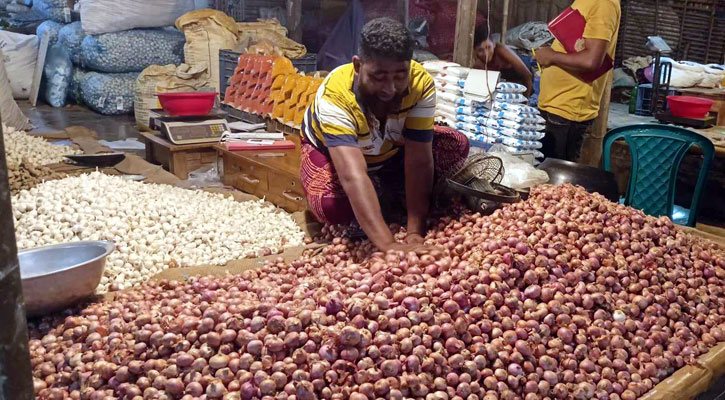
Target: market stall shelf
(177,159)
(272,175)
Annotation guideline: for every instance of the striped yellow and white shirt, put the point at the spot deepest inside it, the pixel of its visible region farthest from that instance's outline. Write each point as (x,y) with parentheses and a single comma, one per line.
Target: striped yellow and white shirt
(336,116)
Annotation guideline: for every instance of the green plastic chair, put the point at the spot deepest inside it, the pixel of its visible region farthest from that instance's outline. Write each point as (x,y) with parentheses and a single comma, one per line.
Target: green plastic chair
(657,151)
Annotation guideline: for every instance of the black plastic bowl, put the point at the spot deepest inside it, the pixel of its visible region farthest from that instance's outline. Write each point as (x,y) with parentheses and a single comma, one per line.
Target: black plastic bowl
(590,178)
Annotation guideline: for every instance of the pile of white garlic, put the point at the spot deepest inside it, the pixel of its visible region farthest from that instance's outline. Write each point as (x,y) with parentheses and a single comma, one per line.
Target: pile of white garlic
(34,149)
(152,225)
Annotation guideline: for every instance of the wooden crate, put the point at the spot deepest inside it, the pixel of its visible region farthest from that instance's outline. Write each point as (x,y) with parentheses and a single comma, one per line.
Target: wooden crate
(277,179)
(177,159)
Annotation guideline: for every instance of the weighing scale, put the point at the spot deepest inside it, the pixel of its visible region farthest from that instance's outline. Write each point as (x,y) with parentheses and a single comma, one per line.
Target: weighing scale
(700,123)
(190,129)
(661,70)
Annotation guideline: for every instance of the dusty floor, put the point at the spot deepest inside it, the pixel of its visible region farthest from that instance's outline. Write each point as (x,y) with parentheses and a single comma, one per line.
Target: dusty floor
(46,118)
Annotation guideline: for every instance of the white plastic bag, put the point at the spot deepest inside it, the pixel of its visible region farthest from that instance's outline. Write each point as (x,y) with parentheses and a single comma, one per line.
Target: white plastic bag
(58,74)
(520,174)
(104,16)
(21,54)
(204,177)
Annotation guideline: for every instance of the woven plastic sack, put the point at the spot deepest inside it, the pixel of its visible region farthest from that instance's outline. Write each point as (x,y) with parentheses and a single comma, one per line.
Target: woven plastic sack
(519,151)
(465,110)
(74,92)
(444,87)
(106,16)
(533,119)
(132,51)
(51,29)
(510,87)
(686,74)
(71,37)
(713,76)
(521,144)
(56,10)
(21,55)
(451,80)
(458,100)
(109,94)
(12,116)
(515,98)
(515,108)
(436,67)
(518,126)
(530,35)
(58,71)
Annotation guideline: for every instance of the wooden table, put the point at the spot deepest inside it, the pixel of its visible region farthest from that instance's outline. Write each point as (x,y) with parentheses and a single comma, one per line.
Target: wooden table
(716,95)
(274,178)
(178,159)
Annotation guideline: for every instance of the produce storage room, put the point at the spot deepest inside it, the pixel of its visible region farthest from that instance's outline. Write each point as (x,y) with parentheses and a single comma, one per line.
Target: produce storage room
(362,199)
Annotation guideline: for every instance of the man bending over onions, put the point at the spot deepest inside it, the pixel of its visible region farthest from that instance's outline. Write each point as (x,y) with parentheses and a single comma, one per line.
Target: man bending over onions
(369,132)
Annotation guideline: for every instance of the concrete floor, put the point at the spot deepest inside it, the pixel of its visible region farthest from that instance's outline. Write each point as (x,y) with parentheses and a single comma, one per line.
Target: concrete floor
(109,127)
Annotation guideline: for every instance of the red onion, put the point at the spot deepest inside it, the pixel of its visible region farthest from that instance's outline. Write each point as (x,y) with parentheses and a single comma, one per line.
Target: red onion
(564,295)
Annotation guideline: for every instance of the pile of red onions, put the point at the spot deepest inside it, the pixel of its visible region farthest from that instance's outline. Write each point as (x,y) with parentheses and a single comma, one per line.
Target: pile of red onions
(563,296)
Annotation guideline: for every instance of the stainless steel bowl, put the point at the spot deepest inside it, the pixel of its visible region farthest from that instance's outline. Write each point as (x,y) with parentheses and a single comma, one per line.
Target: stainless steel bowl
(55,277)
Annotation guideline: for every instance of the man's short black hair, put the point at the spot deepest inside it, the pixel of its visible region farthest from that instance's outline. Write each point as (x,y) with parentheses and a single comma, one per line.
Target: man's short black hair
(386,38)
(481,34)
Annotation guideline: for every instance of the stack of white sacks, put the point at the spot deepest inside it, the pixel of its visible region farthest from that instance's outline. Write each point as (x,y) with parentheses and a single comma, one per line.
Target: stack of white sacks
(502,117)
(96,61)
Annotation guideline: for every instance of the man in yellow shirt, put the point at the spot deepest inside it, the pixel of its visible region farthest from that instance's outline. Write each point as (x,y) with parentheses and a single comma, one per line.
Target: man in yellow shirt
(369,133)
(568,103)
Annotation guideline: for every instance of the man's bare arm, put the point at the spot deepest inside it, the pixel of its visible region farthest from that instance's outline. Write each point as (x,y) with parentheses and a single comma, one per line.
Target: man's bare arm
(351,168)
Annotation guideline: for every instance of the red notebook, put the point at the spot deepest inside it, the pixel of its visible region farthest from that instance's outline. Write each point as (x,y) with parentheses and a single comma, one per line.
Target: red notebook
(278,145)
(568,29)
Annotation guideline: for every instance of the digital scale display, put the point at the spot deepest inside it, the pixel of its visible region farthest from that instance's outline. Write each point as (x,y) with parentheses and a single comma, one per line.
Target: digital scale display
(194,132)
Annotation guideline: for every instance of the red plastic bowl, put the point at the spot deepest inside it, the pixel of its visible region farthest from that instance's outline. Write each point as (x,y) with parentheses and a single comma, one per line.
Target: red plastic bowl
(689,106)
(188,103)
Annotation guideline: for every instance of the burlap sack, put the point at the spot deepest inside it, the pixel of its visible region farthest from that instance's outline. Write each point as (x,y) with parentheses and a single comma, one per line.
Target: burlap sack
(207,31)
(163,79)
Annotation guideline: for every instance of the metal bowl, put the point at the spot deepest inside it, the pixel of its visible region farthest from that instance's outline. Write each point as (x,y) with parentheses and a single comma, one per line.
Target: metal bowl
(55,277)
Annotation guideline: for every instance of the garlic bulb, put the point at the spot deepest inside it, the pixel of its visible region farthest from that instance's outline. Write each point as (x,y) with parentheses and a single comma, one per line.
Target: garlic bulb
(20,146)
(153,226)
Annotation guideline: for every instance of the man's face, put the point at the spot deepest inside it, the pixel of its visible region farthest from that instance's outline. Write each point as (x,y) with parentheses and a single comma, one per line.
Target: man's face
(382,81)
(484,51)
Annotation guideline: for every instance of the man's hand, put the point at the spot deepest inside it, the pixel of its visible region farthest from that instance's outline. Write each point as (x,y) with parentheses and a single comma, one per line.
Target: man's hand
(545,56)
(414,238)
